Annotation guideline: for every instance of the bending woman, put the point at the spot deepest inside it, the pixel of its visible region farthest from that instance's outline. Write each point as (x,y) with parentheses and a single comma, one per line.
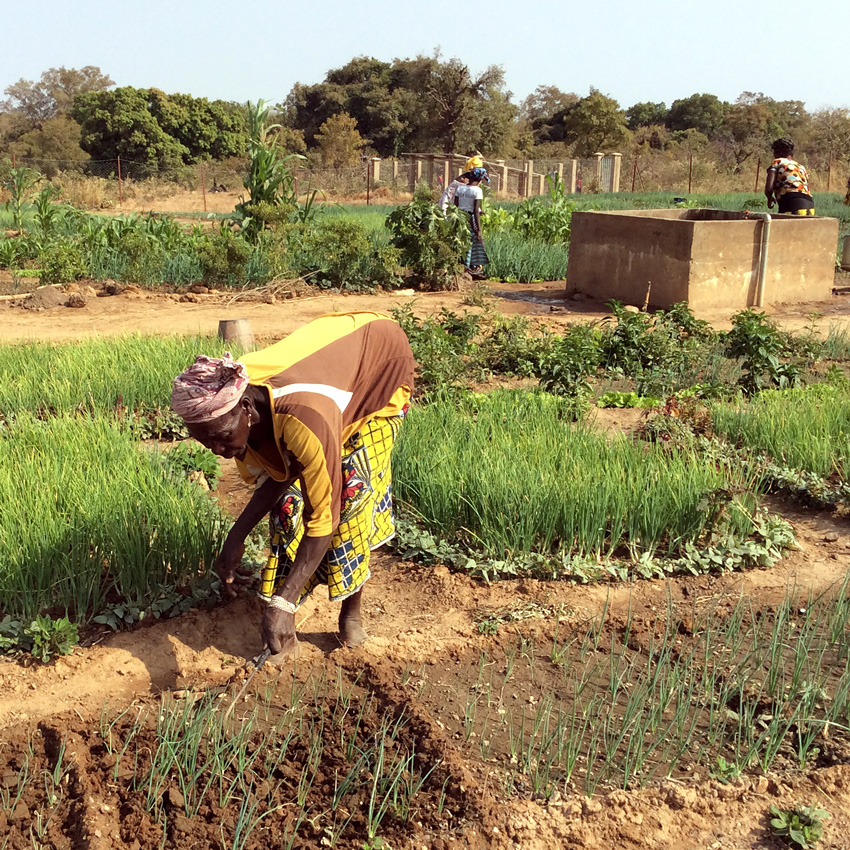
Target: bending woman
(469,199)
(787,182)
(311,422)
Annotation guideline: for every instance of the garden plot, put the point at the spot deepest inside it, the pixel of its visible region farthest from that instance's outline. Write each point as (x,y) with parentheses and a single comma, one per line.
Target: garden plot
(481,713)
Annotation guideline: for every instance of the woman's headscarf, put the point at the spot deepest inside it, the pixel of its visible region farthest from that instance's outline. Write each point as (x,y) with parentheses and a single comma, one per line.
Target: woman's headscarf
(475,161)
(209,388)
(479,174)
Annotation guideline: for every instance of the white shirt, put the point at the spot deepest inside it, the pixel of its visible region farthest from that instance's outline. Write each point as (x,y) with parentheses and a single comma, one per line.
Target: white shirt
(467,196)
(449,195)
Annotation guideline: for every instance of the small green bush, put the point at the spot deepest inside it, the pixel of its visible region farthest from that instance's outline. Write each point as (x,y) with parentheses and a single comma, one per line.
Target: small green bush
(431,242)
(61,262)
(224,257)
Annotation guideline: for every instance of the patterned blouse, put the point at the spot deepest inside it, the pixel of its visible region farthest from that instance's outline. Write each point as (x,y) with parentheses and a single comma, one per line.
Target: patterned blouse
(791,176)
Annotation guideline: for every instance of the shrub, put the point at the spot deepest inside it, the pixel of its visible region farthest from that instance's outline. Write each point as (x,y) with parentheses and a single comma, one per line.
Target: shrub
(224,257)
(430,242)
(61,262)
(760,345)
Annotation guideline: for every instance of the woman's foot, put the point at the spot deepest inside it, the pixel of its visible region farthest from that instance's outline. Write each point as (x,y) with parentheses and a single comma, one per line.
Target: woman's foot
(351,631)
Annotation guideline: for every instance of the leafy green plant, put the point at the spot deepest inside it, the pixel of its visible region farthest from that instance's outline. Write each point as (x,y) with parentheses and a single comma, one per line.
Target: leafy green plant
(20,184)
(627,399)
(224,257)
(270,181)
(51,637)
(62,261)
(801,827)
(188,457)
(430,241)
(572,360)
(761,346)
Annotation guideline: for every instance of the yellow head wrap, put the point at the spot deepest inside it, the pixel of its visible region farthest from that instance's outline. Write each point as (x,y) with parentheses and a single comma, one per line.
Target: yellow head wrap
(475,161)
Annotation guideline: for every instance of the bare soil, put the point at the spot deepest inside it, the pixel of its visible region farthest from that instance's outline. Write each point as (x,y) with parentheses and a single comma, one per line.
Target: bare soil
(419,664)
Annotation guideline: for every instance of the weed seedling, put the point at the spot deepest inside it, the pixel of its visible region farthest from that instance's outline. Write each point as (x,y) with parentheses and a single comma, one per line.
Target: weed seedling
(800,827)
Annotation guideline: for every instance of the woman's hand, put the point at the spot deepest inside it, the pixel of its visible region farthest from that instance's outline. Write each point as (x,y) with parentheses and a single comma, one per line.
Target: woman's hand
(227,567)
(278,631)
(771,203)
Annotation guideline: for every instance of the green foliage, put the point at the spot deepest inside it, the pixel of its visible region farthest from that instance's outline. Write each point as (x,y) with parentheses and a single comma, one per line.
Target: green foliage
(570,363)
(800,827)
(546,221)
(341,253)
(627,399)
(51,637)
(430,241)
(269,180)
(20,184)
(116,523)
(761,347)
(188,457)
(508,472)
(441,347)
(62,262)
(119,122)
(223,257)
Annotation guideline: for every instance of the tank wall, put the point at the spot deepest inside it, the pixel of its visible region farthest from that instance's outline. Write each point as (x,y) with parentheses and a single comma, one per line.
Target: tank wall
(617,256)
(709,261)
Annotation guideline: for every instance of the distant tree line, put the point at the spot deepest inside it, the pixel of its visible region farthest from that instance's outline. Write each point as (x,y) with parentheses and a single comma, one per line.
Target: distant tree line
(427,103)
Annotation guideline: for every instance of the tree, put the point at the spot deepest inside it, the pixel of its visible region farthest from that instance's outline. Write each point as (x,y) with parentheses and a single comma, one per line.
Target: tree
(703,112)
(746,131)
(58,139)
(595,123)
(207,129)
(54,93)
(646,115)
(409,104)
(339,142)
(119,123)
(830,134)
(544,102)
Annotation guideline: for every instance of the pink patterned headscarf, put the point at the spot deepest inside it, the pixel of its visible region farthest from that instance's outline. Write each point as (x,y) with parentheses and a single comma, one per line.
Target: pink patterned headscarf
(209,388)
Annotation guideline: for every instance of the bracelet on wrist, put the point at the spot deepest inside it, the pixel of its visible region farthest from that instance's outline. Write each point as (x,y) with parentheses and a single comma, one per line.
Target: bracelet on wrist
(282,604)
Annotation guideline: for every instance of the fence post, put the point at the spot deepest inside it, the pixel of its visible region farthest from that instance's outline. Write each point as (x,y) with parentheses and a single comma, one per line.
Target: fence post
(690,170)
(758,169)
(120,199)
(204,185)
(598,172)
(447,172)
(376,169)
(828,174)
(615,171)
(368,183)
(634,173)
(502,171)
(561,173)
(14,165)
(573,174)
(541,184)
(529,176)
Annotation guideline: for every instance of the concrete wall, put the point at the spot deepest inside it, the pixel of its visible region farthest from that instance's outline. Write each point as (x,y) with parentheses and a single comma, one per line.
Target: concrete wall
(708,258)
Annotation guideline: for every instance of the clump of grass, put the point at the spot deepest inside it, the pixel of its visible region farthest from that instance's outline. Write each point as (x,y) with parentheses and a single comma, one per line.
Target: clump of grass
(807,428)
(515,259)
(98,375)
(509,473)
(89,514)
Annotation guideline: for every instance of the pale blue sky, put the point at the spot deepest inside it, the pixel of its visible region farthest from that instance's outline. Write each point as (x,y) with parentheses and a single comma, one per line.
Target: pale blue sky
(632,50)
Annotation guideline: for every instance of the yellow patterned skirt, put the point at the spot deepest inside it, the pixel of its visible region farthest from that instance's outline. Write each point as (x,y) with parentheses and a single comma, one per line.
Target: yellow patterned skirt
(366,517)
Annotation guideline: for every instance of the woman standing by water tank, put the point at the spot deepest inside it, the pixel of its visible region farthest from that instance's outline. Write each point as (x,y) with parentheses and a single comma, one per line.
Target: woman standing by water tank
(787,181)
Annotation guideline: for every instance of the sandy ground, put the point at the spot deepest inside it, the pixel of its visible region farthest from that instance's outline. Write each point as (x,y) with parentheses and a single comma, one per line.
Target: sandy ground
(419,618)
(140,311)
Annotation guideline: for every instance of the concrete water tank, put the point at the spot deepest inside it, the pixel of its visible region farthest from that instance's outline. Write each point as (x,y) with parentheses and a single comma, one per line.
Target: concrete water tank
(709,258)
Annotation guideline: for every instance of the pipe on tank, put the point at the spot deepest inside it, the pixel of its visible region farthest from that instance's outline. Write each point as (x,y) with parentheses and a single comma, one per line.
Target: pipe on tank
(765,244)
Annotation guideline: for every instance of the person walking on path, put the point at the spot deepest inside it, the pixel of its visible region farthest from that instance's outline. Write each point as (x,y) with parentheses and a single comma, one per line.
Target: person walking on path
(787,182)
(469,199)
(311,422)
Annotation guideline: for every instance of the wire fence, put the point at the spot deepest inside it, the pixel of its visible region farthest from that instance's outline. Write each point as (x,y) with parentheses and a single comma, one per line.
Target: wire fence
(215,186)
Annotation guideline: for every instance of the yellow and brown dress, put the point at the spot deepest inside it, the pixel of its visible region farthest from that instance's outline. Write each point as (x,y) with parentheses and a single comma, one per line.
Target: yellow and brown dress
(338,389)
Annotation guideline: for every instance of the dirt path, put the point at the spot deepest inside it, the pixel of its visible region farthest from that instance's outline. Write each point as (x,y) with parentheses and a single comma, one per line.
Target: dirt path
(138,311)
